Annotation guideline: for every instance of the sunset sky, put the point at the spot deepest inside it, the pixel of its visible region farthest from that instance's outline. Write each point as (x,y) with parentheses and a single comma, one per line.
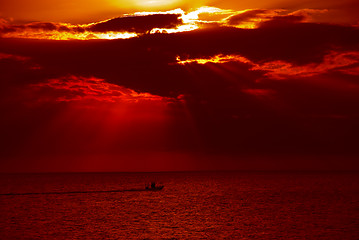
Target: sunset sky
(167,85)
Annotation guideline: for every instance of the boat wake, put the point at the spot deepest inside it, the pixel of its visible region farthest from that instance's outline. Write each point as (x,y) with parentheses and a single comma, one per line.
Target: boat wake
(84,192)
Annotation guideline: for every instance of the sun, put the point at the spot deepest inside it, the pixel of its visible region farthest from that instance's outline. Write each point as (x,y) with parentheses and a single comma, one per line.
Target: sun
(157,3)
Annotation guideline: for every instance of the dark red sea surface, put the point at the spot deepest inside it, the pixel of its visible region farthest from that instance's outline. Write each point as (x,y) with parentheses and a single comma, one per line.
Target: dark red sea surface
(193,205)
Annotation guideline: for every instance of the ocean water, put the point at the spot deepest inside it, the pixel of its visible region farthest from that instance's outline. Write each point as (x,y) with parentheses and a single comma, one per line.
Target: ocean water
(193,205)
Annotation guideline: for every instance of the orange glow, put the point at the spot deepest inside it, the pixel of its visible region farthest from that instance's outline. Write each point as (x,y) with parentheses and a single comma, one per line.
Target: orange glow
(332,61)
(189,23)
(81,11)
(215,59)
(336,61)
(253,18)
(191,20)
(247,21)
(156,3)
(101,119)
(54,35)
(83,89)
(66,31)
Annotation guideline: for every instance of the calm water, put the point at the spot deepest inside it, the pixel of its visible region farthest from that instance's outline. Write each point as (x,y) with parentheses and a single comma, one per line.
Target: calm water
(230,205)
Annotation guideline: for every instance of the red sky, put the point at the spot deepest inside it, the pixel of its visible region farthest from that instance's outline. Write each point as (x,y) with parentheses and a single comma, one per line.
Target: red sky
(178,85)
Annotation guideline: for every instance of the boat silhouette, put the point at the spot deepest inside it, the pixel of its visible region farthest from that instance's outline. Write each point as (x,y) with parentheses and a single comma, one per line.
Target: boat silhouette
(153,187)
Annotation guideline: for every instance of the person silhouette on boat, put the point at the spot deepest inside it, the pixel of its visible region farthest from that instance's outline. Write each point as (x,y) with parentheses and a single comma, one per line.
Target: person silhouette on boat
(152,185)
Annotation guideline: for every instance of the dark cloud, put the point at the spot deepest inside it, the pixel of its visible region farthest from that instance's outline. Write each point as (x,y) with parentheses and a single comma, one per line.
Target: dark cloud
(247,16)
(154,56)
(138,24)
(274,18)
(236,109)
(45,26)
(40,27)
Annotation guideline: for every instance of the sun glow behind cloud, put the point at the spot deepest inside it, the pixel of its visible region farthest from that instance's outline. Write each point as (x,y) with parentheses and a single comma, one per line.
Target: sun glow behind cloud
(126,25)
(191,20)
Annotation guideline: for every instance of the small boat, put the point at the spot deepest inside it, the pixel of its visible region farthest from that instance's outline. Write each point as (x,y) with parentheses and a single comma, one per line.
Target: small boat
(153,187)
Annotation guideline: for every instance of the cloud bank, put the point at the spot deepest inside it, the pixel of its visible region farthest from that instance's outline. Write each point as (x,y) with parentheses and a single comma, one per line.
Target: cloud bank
(256,82)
